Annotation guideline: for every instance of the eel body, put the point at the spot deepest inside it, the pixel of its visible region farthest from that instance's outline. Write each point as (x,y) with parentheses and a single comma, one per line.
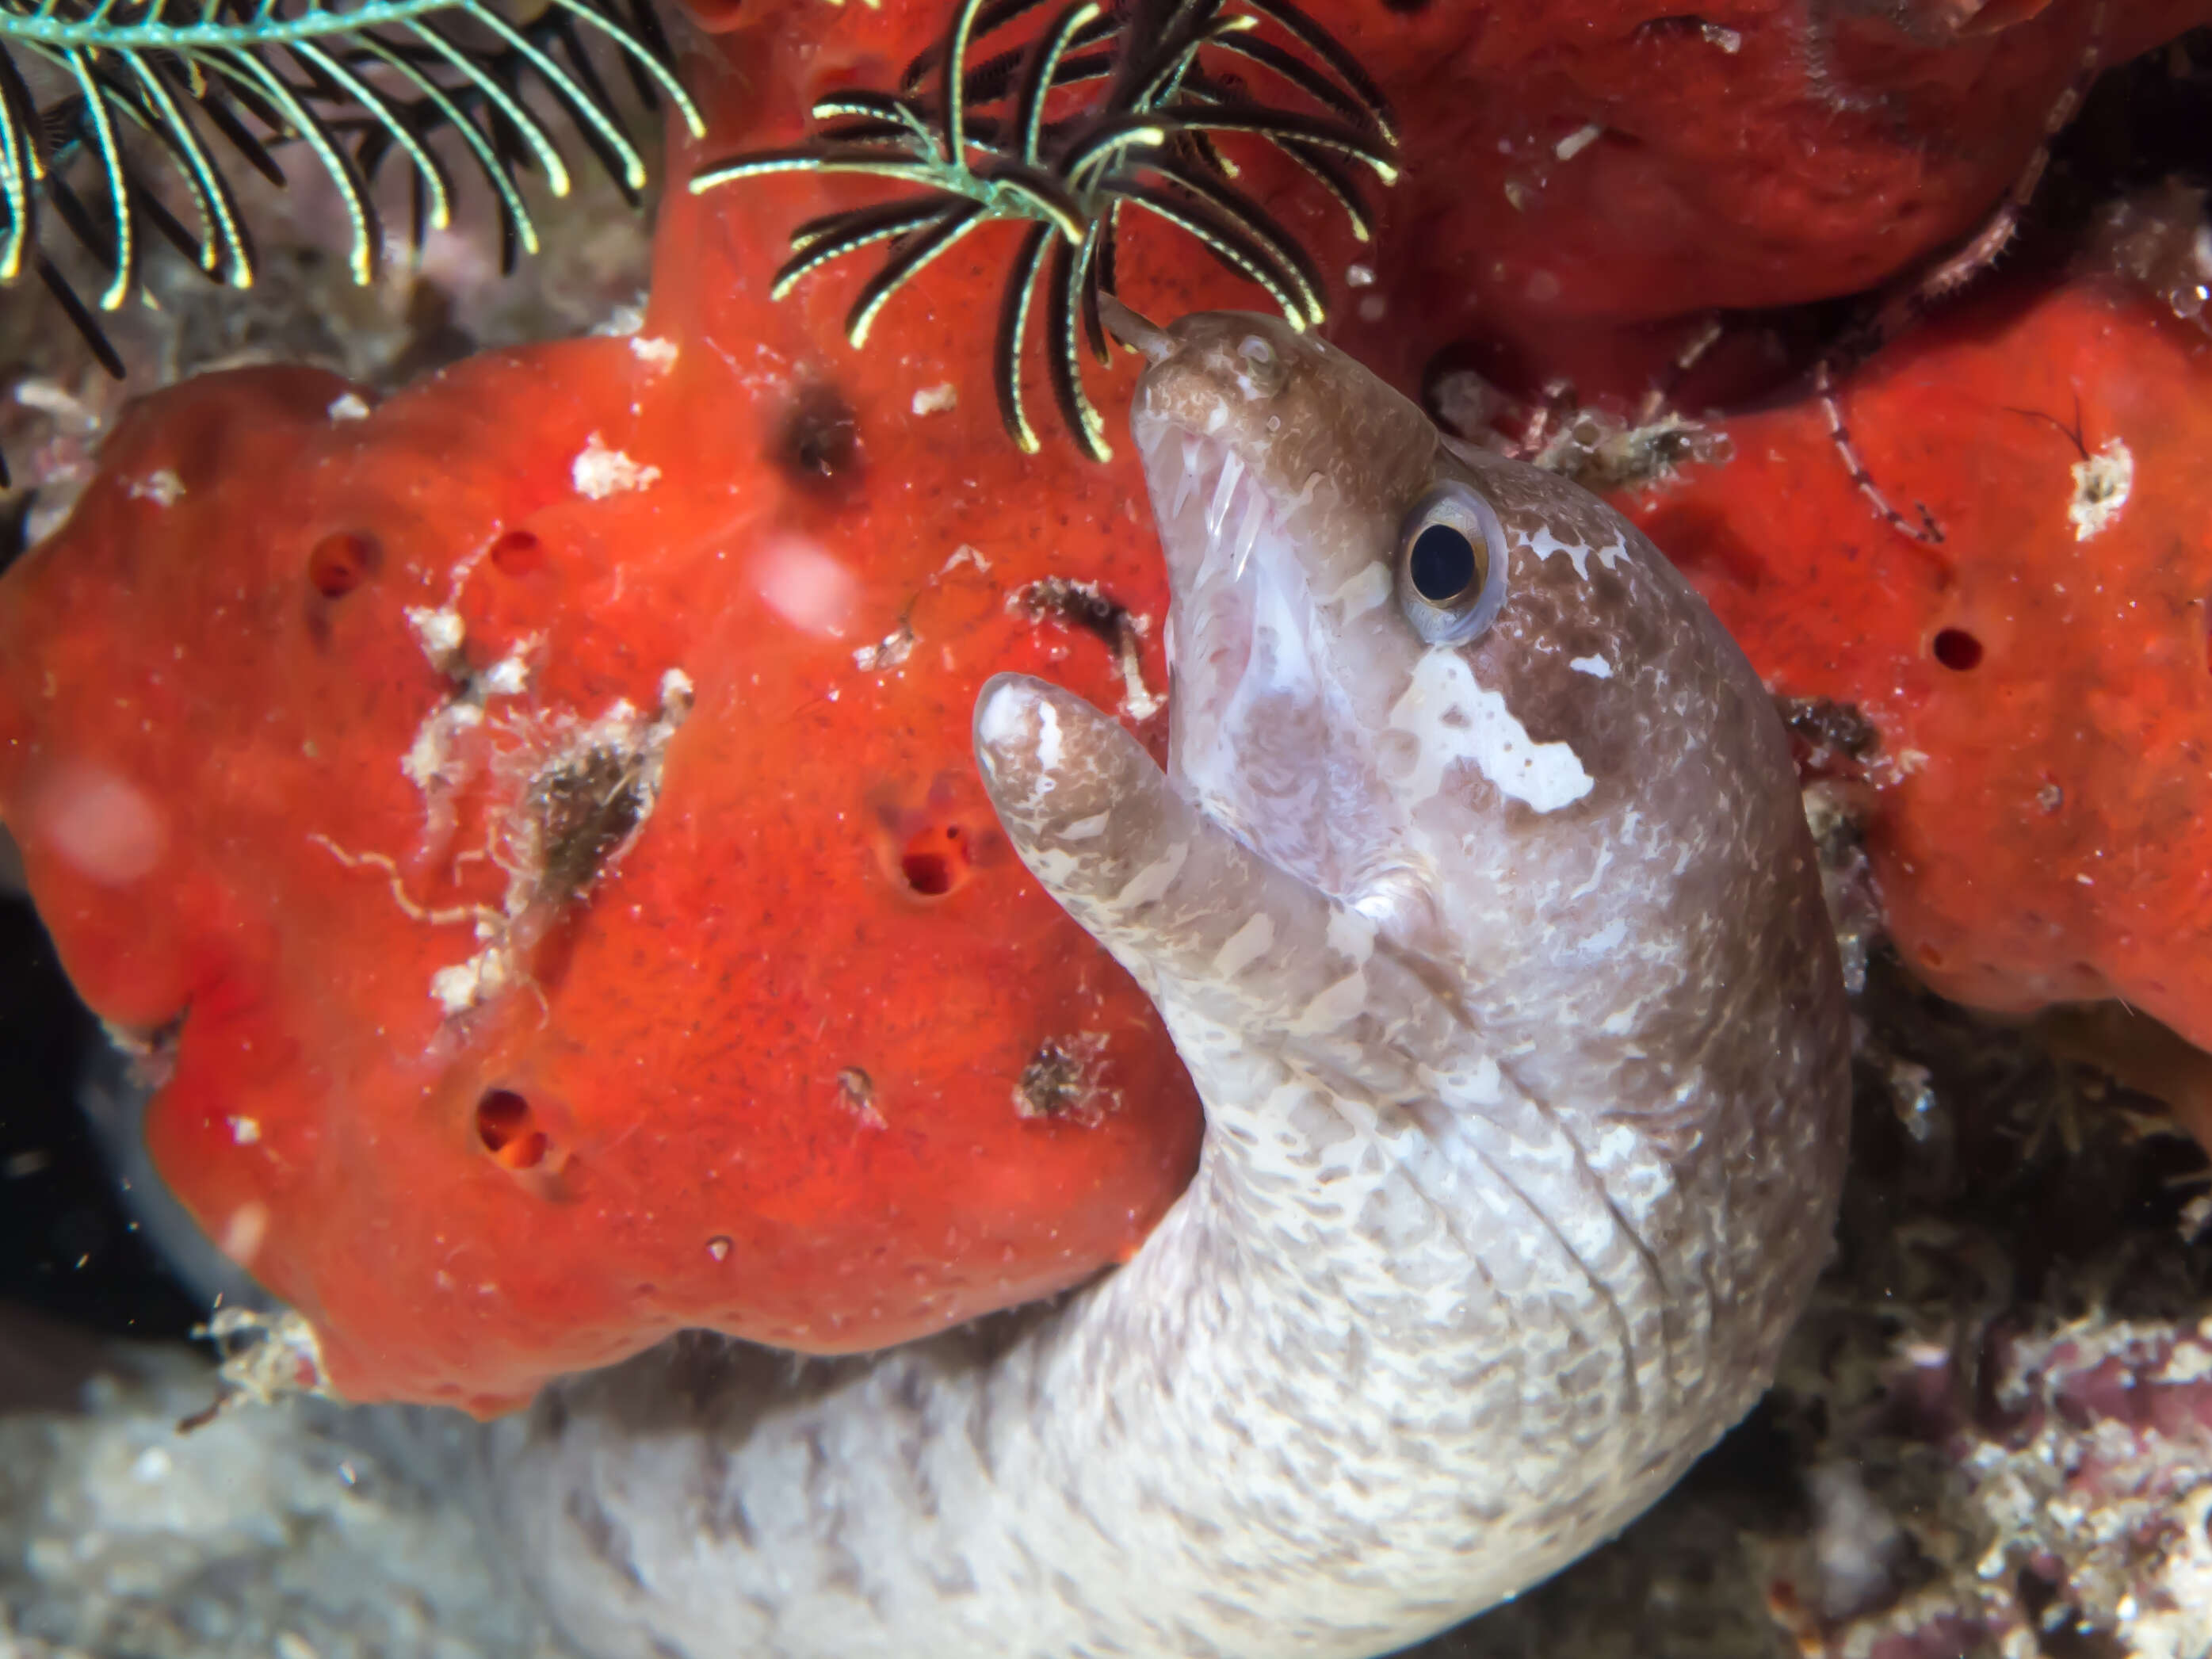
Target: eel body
(1479,902)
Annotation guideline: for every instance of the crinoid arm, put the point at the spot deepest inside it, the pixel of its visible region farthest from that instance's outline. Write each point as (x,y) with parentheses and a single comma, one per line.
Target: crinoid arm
(1010,136)
(137,88)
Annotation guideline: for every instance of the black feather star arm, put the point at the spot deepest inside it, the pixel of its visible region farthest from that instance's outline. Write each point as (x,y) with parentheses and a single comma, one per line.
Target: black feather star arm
(1003,139)
(193,89)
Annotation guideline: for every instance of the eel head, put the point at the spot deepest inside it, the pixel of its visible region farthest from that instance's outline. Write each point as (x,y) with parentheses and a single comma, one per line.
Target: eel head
(1458,695)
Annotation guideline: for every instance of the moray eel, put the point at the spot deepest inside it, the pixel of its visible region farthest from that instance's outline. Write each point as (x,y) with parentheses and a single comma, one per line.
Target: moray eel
(1478,899)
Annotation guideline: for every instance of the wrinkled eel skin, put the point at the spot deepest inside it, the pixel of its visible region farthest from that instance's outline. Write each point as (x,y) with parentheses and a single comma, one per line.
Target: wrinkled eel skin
(1503,971)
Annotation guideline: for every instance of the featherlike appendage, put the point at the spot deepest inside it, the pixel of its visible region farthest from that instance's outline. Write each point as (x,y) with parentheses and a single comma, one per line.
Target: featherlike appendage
(194,84)
(1007,136)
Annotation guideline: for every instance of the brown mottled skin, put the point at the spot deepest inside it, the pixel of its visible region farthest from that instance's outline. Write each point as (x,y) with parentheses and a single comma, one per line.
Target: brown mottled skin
(1502,968)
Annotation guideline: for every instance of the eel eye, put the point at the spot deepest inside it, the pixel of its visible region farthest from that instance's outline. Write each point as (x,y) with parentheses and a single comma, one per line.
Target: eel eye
(1452,565)
(1260,366)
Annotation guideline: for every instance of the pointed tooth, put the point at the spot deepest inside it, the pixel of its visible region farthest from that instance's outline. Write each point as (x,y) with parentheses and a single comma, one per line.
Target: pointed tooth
(1247,531)
(1188,482)
(1232,468)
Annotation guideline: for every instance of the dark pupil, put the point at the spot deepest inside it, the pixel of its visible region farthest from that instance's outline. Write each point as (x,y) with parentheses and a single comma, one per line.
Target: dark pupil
(1442,564)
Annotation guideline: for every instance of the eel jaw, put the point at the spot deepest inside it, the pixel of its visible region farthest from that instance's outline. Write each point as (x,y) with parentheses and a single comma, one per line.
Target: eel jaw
(1265,737)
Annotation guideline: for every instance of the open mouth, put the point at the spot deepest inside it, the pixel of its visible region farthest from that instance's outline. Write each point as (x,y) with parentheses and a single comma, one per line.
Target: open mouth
(1214,515)
(1269,737)
(1252,688)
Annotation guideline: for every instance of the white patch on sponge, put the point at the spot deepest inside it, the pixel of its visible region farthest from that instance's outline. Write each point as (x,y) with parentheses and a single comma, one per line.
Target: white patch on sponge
(598,471)
(2102,483)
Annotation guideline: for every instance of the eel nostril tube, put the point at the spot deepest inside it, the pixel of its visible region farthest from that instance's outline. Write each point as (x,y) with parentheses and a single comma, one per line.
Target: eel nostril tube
(1139,333)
